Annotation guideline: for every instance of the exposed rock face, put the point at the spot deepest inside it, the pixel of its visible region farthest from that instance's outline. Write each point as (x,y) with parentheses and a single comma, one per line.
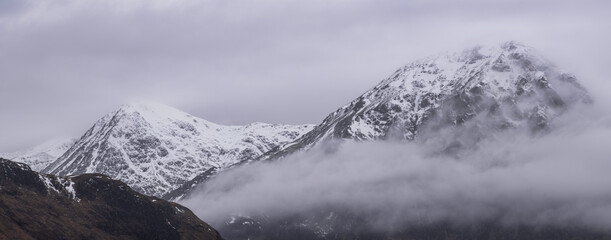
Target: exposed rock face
(90,206)
(156,149)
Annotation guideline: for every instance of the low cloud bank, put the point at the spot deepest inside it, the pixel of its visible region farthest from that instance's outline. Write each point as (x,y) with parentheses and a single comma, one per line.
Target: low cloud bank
(560,178)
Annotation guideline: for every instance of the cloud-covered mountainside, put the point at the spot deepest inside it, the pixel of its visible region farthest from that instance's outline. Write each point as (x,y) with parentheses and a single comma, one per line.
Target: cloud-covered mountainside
(91,206)
(490,142)
(463,96)
(155,148)
(556,183)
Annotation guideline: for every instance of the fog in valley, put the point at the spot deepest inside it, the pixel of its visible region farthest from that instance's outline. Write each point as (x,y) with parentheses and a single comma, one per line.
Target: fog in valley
(556,178)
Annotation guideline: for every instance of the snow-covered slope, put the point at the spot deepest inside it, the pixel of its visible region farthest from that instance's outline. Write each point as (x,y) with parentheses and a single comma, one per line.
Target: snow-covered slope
(155,148)
(478,90)
(39,157)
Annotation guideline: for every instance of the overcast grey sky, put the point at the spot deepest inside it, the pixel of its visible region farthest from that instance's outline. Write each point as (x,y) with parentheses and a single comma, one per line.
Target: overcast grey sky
(65,63)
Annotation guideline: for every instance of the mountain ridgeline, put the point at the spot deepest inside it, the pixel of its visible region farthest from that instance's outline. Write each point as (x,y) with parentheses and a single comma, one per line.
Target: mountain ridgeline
(90,206)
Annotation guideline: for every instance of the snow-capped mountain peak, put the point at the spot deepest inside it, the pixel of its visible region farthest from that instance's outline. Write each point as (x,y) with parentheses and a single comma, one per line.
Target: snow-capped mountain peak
(510,82)
(155,148)
(501,64)
(469,94)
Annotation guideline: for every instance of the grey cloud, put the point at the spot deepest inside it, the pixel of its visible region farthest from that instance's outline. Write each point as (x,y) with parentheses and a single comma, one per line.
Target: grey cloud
(557,179)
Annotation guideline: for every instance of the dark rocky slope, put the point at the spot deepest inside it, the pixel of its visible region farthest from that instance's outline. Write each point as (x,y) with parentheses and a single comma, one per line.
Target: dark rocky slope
(89,206)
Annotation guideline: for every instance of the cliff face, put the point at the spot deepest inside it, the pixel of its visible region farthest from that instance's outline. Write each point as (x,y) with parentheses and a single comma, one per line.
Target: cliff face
(90,206)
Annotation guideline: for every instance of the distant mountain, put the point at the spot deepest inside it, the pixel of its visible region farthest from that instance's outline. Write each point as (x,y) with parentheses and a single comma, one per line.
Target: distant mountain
(450,101)
(155,148)
(39,157)
(480,90)
(91,206)
(468,94)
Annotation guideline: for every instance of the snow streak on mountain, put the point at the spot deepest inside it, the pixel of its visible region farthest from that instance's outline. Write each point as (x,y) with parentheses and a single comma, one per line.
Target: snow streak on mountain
(155,148)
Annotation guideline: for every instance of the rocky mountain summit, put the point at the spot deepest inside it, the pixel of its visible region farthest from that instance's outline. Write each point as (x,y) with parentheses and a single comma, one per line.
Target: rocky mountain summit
(155,148)
(90,206)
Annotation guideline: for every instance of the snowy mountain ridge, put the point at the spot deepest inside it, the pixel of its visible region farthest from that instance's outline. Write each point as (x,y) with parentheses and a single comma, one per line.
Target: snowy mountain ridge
(155,148)
(39,157)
